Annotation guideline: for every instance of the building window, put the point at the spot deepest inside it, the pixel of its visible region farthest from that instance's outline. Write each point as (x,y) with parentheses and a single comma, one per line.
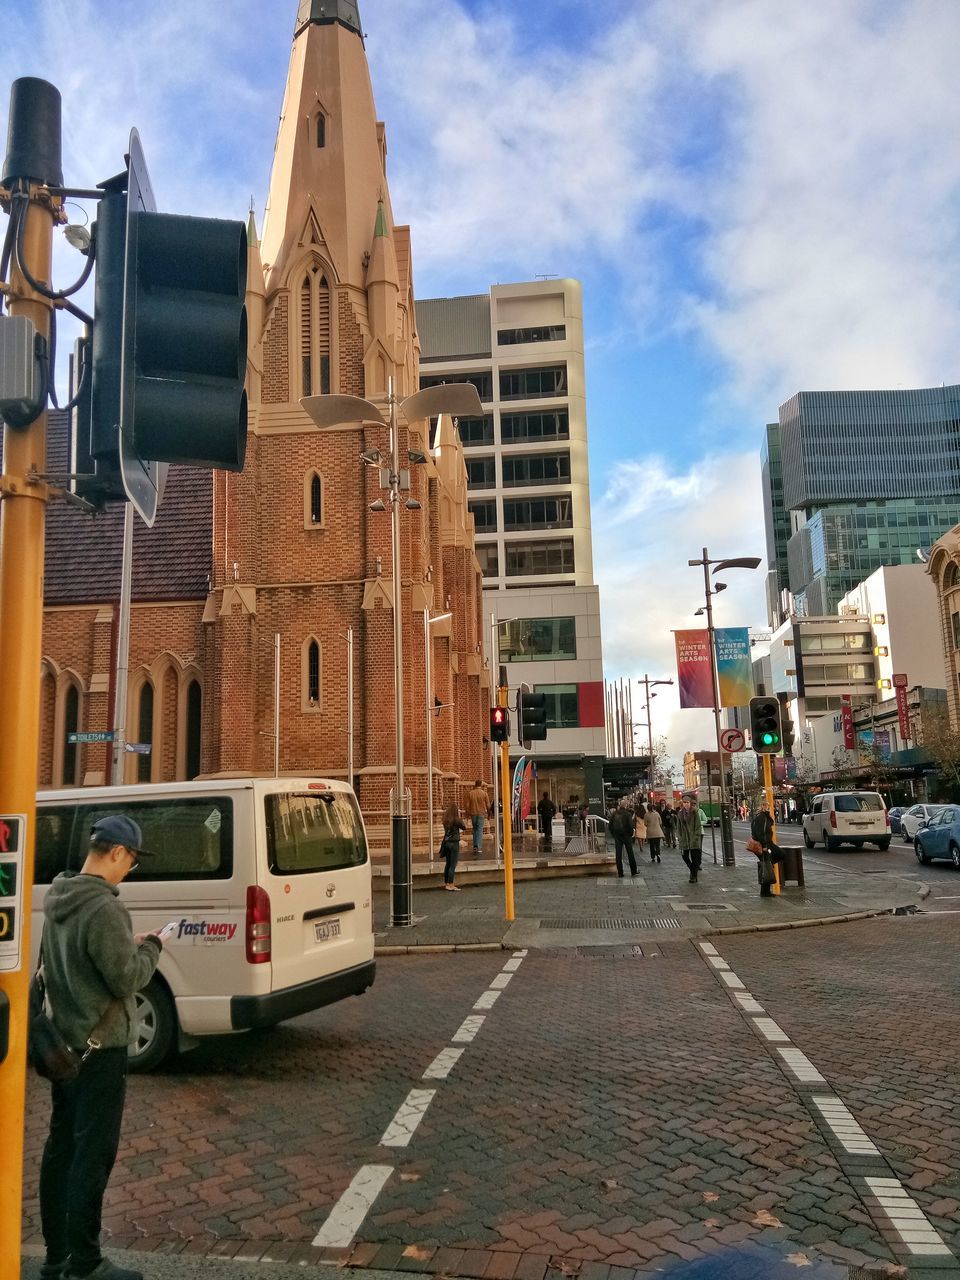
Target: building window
(321,130)
(145,731)
(537,468)
(484,516)
(315,335)
(538,513)
(562,708)
(525,559)
(488,559)
(952,576)
(955,625)
(481,473)
(529,384)
(482,381)
(311,674)
(542,333)
(71,723)
(538,640)
(193,739)
(519,428)
(313,512)
(475,431)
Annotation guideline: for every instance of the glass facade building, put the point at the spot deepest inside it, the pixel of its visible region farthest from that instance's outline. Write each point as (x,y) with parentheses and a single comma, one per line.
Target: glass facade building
(854,480)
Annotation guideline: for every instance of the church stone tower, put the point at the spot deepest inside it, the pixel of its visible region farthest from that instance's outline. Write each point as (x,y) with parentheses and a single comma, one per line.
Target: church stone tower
(296,550)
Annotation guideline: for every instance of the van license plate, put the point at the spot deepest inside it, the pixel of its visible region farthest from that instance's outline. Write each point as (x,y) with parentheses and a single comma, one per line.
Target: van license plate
(326,929)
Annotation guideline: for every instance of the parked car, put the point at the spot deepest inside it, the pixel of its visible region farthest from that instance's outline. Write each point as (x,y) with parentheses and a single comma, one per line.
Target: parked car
(847,817)
(894,815)
(940,838)
(912,820)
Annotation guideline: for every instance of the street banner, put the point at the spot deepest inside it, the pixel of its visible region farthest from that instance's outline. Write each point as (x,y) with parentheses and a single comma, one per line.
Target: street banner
(881,740)
(694,676)
(524,784)
(734,666)
(903,712)
(516,792)
(846,714)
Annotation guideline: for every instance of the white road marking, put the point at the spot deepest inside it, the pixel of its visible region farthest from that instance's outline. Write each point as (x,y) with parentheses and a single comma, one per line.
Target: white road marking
(442,1064)
(512,965)
(348,1213)
(844,1127)
(801,1066)
(747,1002)
(731,979)
(487,999)
(717,962)
(520,953)
(412,1110)
(500,981)
(467,1030)
(906,1217)
(707,948)
(770,1031)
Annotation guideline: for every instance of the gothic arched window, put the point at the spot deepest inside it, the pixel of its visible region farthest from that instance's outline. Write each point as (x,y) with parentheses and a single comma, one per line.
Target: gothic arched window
(144,730)
(315,333)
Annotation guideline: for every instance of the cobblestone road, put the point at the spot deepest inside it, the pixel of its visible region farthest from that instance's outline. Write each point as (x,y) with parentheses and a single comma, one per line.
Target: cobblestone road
(615,1113)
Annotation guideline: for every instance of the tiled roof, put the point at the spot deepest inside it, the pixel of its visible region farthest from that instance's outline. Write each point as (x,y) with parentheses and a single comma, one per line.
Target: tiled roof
(171,561)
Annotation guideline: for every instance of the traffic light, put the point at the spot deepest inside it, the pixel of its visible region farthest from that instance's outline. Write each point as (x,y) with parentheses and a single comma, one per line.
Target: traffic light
(787,728)
(169,342)
(499,724)
(532,716)
(765,725)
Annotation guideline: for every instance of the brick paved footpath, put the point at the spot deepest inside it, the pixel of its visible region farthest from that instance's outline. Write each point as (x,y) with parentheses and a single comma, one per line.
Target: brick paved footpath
(616,1115)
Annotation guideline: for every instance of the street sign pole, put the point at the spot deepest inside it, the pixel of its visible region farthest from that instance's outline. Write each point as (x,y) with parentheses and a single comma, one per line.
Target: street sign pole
(34,155)
(506,810)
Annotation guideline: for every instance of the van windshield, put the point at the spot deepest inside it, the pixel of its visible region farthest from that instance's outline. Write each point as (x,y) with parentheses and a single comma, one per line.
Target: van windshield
(320,831)
(857,804)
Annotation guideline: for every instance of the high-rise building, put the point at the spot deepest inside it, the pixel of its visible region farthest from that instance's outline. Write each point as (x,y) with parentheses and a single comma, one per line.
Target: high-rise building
(857,480)
(528,484)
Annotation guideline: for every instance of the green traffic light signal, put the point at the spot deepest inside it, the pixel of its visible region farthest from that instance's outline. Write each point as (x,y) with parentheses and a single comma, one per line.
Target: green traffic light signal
(765,725)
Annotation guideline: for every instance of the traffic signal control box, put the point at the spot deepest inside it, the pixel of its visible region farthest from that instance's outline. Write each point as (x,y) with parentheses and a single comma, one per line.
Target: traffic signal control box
(499,724)
(765,725)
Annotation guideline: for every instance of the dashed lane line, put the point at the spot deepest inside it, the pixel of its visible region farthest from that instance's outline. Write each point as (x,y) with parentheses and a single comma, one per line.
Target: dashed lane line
(468,1029)
(907,1218)
(404,1124)
(487,999)
(442,1064)
(347,1215)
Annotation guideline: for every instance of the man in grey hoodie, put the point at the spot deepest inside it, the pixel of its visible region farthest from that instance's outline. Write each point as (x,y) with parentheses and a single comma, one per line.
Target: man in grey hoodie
(93,965)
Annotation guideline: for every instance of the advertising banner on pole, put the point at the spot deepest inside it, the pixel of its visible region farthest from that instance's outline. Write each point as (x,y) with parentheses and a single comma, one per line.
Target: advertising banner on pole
(903,713)
(846,714)
(524,784)
(694,676)
(734,666)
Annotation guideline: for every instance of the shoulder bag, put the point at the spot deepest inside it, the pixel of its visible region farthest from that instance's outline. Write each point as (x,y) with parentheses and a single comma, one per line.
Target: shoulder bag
(47,1051)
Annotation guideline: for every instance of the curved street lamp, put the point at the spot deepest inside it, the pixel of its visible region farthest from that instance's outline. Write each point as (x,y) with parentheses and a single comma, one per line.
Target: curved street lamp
(459,399)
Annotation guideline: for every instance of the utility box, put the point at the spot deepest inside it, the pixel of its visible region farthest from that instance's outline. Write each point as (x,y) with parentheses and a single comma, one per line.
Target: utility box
(558,831)
(19,371)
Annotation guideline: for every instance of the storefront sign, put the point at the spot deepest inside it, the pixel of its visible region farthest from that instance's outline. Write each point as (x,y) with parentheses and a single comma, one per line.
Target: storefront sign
(903,711)
(846,715)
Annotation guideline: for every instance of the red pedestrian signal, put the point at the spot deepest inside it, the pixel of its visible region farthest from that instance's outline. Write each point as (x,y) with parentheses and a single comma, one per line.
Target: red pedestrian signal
(499,724)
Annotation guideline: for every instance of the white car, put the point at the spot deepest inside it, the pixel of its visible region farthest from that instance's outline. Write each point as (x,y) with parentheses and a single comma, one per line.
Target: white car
(847,817)
(914,818)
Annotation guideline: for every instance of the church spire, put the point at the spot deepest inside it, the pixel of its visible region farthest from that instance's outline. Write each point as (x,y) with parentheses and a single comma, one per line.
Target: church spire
(325,12)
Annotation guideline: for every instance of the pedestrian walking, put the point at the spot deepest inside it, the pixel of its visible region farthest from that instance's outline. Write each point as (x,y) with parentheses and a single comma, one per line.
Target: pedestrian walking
(690,836)
(478,807)
(640,826)
(669,820)
(621,828)
(453,828)
(654,832)
(768,854)
(546,809)
(92,967)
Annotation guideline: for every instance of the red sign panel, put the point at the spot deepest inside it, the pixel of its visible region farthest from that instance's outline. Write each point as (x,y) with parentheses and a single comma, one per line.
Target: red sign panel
(900,681)
(846,712)
(903,712)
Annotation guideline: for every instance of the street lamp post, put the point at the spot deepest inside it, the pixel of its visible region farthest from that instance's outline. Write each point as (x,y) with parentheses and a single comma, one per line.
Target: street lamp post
(739,562)
(647,684)
(328,411)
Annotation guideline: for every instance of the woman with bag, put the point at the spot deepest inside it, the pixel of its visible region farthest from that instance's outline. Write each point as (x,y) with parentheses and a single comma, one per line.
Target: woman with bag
(761,843)
(654,831)
(640,826)
(453,827)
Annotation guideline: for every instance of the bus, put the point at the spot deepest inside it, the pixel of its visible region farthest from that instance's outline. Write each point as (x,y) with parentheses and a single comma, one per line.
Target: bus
(708,798)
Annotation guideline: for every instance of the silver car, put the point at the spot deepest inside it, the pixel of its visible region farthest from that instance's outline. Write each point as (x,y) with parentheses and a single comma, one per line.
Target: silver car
(915,817)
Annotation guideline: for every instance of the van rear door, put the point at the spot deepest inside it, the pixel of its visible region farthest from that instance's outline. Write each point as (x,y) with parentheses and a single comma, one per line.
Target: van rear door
(860,813)
(318,881)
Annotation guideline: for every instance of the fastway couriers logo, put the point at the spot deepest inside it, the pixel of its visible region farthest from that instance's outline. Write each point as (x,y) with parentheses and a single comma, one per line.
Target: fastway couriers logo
(207,930)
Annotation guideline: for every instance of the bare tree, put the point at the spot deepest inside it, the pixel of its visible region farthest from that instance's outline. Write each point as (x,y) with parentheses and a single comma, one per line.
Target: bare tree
(942,743)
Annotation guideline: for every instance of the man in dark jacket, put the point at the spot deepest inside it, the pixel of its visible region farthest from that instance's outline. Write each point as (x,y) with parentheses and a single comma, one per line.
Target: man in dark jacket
(93,965)
(621,828)
(546,809)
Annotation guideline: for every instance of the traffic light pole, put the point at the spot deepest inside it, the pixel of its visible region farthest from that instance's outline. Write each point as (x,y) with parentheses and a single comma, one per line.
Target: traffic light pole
(22,513)
(726,831)
(506,818)
(768,795)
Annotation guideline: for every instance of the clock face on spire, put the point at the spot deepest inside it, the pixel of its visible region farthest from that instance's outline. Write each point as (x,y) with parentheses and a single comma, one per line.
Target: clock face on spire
(322,12)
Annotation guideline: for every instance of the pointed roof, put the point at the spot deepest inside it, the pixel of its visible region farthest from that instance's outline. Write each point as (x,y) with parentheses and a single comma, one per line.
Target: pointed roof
(324,12)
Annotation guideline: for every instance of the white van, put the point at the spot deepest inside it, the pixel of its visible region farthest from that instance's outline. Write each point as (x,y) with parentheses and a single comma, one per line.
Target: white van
(268,880)
(847,817)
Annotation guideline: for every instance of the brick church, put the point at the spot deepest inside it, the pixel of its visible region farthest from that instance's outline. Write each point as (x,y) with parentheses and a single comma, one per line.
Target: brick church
(289,546)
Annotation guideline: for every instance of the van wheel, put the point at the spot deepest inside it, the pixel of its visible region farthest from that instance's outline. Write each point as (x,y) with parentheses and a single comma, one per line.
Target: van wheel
(810,844)
(158,1028)
(883,845)
(830,844)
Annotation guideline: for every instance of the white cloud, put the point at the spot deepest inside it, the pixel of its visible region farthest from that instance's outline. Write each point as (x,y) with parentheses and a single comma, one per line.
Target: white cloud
(652,519)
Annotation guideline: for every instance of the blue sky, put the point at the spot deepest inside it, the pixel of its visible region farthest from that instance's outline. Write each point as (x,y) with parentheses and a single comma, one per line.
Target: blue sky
(758,197)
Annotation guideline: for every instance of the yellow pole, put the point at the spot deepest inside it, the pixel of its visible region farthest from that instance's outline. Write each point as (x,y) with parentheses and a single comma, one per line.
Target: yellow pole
(506,820)
(768,792)
(22,509)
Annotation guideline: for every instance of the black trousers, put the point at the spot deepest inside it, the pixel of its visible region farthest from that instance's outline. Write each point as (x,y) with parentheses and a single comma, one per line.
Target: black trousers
(655,846)
(693,858)
(625,842)
(78,1158)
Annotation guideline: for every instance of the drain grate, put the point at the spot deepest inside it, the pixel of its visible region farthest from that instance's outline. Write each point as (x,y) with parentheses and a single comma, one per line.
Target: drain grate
(612,922)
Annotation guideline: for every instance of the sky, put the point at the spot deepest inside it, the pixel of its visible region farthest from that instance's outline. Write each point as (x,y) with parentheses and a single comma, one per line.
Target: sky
(758,197)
